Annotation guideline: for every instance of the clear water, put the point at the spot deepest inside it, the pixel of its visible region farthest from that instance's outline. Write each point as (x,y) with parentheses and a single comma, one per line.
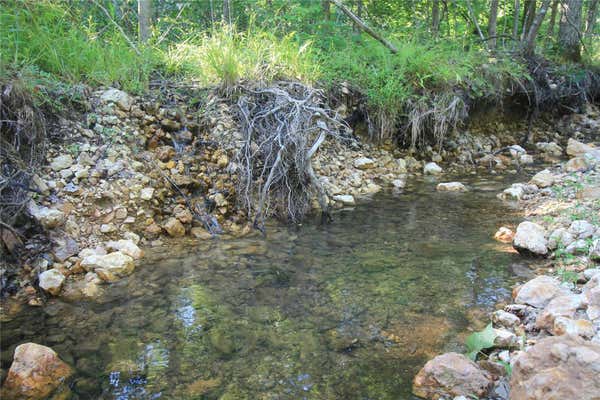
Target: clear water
(348,310)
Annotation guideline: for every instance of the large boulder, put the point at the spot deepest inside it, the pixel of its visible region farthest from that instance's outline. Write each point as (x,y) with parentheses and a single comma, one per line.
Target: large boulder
(51,281)
(450,375)
(539,291)
(530,238)
(557,368)
(109,267)
(36,372)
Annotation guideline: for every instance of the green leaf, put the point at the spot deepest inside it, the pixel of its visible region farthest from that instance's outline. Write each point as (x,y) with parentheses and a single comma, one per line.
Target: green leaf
(480,340)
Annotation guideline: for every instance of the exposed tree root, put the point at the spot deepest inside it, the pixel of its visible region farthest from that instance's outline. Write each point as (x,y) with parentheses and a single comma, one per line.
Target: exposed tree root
(22,150)
(282,128)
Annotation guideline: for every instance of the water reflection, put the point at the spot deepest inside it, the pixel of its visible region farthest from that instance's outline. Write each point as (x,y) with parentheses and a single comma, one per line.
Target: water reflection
(347,310)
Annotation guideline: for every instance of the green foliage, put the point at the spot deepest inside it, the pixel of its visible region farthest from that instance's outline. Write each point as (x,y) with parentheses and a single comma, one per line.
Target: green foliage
(478,341)
(226,56)
(567,276)
(57,39)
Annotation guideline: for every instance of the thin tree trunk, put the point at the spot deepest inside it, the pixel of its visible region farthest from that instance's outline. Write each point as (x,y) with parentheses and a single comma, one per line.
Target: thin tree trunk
(569,30)
(435,17)
(474,19)
(363,26)
(530,14)
(529,44)
(516,20)
(591,18)
(227,12)
(326,6)
(492,27)
(144,19)
(552,19)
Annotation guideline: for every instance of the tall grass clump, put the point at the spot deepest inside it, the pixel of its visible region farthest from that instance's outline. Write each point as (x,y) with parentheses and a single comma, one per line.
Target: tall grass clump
(225,56)
(57,39)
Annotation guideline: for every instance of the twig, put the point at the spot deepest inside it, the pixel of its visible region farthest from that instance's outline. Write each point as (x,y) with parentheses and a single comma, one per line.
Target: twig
(133,46)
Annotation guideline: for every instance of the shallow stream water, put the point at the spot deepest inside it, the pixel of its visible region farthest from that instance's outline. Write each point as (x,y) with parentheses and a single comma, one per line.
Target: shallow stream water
(347,310)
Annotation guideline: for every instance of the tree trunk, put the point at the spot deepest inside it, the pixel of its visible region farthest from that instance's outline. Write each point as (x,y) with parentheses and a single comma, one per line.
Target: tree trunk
(326,5)
(492,27)
(474,19)
(227,12)
(516,20)
(529,43)
(364,27)
(435,17)
(591,18)
(144,19)
(529,16)
(552,19)
(569,30)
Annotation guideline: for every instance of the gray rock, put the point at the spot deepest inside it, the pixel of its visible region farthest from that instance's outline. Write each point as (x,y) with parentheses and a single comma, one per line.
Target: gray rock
(582,229)
(127,247)
(345,199)
(573,327)
(432,169)
(61,162)
(48,217)
(575,148)
(505,319)
(560,237)
(577,247)
(530,238)
(120,98)
(364,163)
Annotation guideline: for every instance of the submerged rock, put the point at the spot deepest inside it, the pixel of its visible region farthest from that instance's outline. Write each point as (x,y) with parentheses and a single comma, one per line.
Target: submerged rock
(174,228)
(450,375)
(530,238)
(504,235)
(364,163)
(559,367)
(345,199)
(51,281)
(451,187)
(35,373)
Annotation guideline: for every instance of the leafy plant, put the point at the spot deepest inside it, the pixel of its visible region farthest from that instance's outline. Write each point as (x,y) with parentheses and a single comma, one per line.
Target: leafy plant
(567,276)
(478,341)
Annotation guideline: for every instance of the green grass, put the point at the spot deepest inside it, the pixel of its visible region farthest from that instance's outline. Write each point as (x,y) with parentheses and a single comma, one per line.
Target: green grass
(227,56)
(55,39)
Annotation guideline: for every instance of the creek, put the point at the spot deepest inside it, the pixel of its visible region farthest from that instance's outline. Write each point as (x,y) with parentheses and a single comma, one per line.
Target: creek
(346,310)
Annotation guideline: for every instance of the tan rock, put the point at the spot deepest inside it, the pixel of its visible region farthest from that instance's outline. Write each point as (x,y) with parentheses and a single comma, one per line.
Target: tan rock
(451,187)
(36,372)
(183,214)
(504,235)
(127,247)
(576,164)
(109,267)
(557,368)
(576,148)
(539,291)
(560,306)
(174,228)
(451,375)
(530,239)
(577,327)
(51,281)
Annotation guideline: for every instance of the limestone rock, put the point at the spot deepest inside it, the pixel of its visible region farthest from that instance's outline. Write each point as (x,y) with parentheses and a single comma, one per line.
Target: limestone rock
(557,368)
(505,319)
(577,327)
(147,193)
(450,375)
(182,214)
(594,252)
(61,162)
(345,199)
(35,373)
(109,267)
(530,238)
(560,306)
(582,229)
(127,247)
(48,217)
(591,293)
(51,281)
(119,97)
(432,169)
(364,163)
(504,235)
(560,237)
(577,247)
(576,164)
(575,148)
(451,187)
(539,291)
(543,179)
(550,148)
(505,339)
(174,228)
